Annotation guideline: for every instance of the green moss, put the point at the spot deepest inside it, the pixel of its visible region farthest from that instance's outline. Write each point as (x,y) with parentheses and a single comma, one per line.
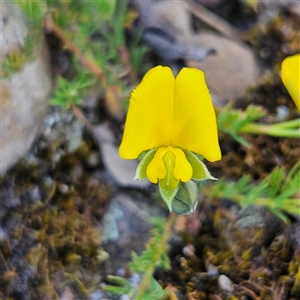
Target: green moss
(17,59)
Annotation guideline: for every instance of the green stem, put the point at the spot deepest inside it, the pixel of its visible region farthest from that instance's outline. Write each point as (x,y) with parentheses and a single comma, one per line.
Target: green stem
(258,201)
(288,124)
(273,130)
(149,272)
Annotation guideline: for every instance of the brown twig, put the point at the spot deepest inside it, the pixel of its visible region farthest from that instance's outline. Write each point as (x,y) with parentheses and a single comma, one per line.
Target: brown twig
(114,106)
(212,20)
(90,65)
(125,58)
(51,193)
(78,113)
(249,292)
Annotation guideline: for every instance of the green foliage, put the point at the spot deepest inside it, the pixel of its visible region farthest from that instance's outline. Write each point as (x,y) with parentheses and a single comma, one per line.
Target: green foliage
(232,120)
(95,27)
(14,61)
(18,58)
(138,52)
(34,11)
(275,192)
(154,256)
(155,252)
(237,121)
(97,30)
(71,91)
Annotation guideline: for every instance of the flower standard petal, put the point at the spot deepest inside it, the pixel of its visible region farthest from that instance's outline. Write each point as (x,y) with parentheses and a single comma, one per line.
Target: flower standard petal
(290,72)
(148,123)
(194,120)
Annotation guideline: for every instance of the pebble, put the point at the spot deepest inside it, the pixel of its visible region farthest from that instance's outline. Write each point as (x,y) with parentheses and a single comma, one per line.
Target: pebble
(188,250)
(93,159)
(282,113)
(225,283)
(212,271)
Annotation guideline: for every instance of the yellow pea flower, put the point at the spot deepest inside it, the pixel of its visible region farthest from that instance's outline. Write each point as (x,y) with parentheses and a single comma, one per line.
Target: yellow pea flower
(173,119)
(290,73)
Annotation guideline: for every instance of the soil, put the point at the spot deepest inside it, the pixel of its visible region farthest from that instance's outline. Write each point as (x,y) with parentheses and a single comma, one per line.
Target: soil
(53,200)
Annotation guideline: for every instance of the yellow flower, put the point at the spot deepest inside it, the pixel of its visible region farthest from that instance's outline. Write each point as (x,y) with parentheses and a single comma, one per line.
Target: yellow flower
(175,117)
(290,73)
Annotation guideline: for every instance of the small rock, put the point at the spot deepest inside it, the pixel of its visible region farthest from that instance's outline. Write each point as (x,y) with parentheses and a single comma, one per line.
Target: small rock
(97,295)
(231,70)
(173,16)
(67,294)
(222,69)
(125,228)
(93,159)
(135,280)
(212,270)
(225,284)
(63,188)
(282,113)
(254,228)
(293,234)
(189,250)
(122,171)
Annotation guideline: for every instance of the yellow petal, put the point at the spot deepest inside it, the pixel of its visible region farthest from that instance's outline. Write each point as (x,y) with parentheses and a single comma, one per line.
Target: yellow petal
(194,120)
(148,122)
(169,166)
(183,169)
(156,168)
(290,73)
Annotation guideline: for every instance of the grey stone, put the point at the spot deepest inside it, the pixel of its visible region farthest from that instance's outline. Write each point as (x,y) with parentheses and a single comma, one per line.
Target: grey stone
(13,28)
(122,171)
(24,96)
(126,227)
(231,70)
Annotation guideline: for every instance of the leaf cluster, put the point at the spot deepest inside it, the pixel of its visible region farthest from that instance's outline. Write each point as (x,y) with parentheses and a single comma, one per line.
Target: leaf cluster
(71,91)
(154,256)
(231,120)
(97,30)
(275,192)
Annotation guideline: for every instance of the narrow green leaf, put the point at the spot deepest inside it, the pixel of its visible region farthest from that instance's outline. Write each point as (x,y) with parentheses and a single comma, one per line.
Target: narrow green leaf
(117,280)
(116,289)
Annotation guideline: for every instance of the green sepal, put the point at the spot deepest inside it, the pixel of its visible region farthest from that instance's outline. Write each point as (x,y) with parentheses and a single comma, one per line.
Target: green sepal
(200,171)
(186,200)
(141,170)
(168,195)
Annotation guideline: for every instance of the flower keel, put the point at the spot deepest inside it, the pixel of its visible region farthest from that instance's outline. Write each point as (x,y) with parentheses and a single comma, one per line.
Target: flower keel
(169,166)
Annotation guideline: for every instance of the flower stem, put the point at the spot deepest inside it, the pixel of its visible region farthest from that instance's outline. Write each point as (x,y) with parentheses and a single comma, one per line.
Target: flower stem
(90,65)
(288,124)
(278,130)
(149,272)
